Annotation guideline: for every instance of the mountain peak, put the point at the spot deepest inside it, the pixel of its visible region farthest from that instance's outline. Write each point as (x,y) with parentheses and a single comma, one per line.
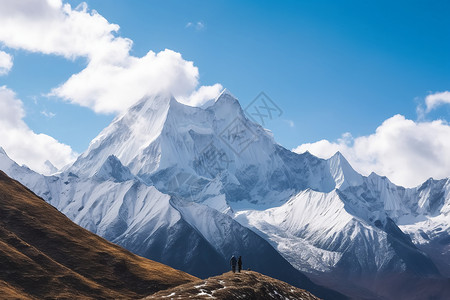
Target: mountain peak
(113,169)
(227,106)
(6,163)
(151,102)
(342,172)
(339,155)
(51,169)
(226,96)
(224,93)
(128,135)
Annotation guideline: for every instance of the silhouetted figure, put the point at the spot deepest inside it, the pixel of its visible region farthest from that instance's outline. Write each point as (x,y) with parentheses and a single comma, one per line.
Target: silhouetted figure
(240,264)
(233,264)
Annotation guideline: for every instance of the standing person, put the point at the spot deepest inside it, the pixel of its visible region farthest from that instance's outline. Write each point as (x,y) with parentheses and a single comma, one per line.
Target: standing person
(233,264)
(240,264)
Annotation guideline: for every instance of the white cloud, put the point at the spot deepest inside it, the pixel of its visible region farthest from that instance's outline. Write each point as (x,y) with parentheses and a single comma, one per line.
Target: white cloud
(197,25)
(51,27)
(48,114)
(113,79)
(114,87)
(202,95)
(405,151)
(6,63)
(22,144)
(434,100)
(322,148)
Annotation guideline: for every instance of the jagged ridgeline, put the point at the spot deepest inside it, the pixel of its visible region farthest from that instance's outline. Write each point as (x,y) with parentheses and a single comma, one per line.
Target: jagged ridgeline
(190,186)
(44,255)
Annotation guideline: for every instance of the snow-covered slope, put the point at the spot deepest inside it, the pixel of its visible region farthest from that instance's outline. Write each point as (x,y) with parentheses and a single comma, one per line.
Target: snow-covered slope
(164,142)
(189,236)
(336,236)
(32,180)
(165,180)
(344,175)
(422,212)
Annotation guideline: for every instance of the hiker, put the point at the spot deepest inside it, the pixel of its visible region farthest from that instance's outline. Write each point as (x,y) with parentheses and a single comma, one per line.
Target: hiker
(233,264)
(240,264)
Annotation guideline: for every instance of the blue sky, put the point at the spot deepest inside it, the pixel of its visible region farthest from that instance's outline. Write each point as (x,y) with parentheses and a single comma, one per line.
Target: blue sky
(332,66)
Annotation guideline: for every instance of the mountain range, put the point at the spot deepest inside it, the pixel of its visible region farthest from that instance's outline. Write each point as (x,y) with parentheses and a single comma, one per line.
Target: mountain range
(190,186)
(44,255)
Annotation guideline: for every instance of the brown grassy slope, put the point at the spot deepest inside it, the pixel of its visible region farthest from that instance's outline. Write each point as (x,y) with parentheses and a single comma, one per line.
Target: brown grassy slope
(9,292)
(45,255)
(229,286)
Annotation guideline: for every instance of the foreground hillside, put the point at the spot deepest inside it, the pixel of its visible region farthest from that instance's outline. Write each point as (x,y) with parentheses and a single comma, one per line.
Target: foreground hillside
(245,285)
(45,255)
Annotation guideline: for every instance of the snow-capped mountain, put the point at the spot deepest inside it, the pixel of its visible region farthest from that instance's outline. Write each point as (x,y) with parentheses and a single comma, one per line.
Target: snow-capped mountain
(32,180)
(337,236)
(165,143)
(185,235)
(188,186)
(368,226)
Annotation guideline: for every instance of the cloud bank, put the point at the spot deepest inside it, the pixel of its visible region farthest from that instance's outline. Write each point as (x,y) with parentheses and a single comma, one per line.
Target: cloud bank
(405,151)
(22,144)
(113,79)
(110,88)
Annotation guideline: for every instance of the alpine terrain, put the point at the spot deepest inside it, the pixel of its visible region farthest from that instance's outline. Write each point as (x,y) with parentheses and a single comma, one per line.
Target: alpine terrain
(44,255)
(190,186)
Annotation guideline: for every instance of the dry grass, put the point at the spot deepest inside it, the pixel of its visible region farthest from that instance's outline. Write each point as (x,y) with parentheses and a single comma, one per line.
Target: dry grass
(9,292)
(245,285)
(45,255)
